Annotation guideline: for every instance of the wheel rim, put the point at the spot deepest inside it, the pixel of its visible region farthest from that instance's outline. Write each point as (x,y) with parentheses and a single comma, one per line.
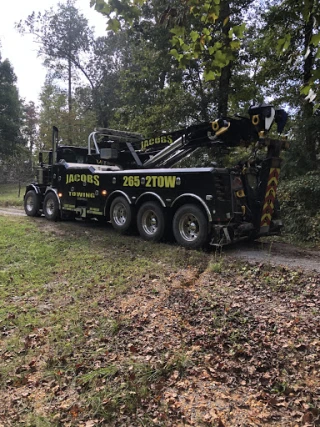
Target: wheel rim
(29,203)
(189,227)
(119,214)
(149,222)
(50,207)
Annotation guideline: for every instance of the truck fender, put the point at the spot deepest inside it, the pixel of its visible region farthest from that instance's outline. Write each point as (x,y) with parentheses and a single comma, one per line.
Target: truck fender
(112,196)
(155,195)
(194,196)
(33,187)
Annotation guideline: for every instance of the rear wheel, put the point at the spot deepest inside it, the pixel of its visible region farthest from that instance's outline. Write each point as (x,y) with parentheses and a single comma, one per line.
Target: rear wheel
(32,203)
(51,207)
(190,227)
(121,215)
(151,221)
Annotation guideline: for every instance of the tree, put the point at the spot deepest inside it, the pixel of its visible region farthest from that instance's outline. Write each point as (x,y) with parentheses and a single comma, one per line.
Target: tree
(139,87)
(292,68)
(10,110)
(30,126)
(202,33)
(64,38)
(54,112)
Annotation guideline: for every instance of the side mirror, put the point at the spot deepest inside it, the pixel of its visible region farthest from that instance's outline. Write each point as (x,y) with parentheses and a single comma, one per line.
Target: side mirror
(40,158)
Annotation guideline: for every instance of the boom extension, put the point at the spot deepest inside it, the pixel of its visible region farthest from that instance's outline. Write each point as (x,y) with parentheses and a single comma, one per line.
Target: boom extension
(131,150)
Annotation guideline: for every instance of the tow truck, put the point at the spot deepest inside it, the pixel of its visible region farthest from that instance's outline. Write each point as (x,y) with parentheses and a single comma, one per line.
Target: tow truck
(131,181)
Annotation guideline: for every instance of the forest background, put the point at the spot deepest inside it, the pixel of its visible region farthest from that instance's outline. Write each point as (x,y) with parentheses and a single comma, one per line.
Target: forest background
(165,65)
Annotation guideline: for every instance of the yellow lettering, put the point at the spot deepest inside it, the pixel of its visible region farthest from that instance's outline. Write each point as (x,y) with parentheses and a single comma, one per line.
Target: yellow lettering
(70,178)
(169,181)
(96,180)
(160,181)
(136,181)
(158,140)
(131,181)
(91,179)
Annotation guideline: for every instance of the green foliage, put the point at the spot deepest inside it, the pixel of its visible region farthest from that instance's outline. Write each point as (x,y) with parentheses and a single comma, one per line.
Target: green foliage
(298,159)
(169,110)
(30,128)
(10,110)
(300,207)
(303,30)
(213,49)
(74,127)
(195,33)
(118,12)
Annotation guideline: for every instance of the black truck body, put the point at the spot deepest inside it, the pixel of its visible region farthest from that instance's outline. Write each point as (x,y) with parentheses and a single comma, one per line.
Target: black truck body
(130,181)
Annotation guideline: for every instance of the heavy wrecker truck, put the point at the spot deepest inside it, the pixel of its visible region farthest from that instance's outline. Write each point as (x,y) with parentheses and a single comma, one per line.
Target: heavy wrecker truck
(130,181)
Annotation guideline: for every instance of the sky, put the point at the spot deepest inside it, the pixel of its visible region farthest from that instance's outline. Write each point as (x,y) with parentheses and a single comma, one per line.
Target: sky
(22,50)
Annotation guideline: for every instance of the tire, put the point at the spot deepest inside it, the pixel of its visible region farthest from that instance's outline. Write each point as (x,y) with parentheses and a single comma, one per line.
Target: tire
(190,227)
(51,207)
(151,222)
(121,215)
(32,203)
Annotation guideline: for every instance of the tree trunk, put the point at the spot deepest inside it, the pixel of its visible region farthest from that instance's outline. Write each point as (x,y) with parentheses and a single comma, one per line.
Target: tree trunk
(224,81)
(203,98)
(224,86)
(307,109)
(69,100)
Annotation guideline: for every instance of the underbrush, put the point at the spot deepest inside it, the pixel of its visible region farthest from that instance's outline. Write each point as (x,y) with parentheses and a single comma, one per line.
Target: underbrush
(300,207)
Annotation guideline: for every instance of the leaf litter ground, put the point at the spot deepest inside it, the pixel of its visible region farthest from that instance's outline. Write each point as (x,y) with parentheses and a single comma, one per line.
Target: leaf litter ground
(128,333)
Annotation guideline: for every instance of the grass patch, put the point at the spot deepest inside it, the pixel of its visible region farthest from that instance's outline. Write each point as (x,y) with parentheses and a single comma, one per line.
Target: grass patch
(58,283)
(101,329)
(10,196)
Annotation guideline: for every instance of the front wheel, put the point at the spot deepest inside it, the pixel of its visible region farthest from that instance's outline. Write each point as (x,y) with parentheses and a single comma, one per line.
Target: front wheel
(151,222)
(120,215)
(51,207)
(190,227)
(31,203)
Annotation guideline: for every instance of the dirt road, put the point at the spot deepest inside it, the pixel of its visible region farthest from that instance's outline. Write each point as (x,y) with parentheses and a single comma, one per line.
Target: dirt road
(277,253)
(273,253)
(12,211)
